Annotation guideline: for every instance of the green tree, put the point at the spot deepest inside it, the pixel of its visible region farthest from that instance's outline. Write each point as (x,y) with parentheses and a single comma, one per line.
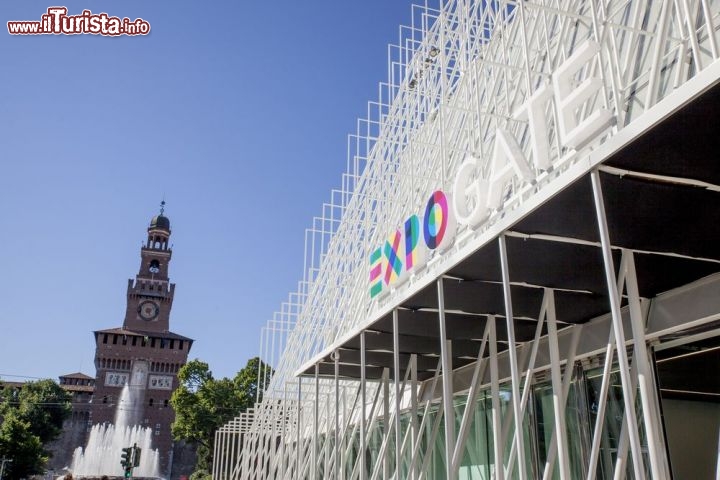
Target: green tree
(31,416)
(202,403)
(246,380)
(24,449)
(45,405)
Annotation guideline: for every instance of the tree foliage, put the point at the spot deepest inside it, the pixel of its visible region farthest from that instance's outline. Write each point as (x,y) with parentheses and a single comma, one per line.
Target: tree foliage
(201,475)
(203,404)
(18,444)
(31,416)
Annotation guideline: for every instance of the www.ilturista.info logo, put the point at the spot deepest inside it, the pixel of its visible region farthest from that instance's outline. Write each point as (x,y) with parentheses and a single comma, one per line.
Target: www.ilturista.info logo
(57,22)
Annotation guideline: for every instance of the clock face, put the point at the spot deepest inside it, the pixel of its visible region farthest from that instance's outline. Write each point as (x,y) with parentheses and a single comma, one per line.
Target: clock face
(148,310)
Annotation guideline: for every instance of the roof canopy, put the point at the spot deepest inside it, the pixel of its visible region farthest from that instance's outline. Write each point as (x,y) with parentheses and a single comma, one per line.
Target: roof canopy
(662,202)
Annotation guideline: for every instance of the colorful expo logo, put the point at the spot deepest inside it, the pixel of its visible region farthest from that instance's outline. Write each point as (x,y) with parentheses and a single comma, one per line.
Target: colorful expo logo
(475,197)
(391,263)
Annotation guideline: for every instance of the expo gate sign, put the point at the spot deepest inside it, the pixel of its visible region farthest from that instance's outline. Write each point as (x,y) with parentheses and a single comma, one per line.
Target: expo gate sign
(474,199)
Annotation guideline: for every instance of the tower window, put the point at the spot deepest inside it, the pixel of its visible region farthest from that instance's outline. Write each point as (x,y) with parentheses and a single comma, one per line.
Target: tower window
(152,342)
(134,340)
(172,344)
(154,266)
(157,429)
(181,345)
(151,402)
(115,339)
(105,337)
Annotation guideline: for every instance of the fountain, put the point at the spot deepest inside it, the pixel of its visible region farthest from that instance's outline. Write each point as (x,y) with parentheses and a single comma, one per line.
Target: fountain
(102,453)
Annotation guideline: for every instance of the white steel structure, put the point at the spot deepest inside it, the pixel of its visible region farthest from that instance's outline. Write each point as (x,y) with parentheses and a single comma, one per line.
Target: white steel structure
(554,311)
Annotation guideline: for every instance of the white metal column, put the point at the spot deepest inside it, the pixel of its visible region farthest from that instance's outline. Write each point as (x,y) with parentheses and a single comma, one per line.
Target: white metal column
(415,439)
(557,387)
(512,353)
(363,401)
(396,368)
(495,401)
(646,383)
(336,447)
(624,365)
(298,423)
(316,424)
(447,384)
(215,455)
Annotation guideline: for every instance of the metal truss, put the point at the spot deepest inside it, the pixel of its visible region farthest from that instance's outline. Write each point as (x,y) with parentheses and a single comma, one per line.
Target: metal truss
(460,71)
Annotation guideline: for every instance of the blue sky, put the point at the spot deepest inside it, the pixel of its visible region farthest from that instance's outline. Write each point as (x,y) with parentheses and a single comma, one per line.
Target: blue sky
(236,112)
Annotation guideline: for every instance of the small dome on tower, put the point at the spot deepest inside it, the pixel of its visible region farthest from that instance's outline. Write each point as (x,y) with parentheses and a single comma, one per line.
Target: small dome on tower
(160,221)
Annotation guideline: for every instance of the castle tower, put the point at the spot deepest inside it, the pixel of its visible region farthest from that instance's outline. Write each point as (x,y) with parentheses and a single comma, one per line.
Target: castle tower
(150,295)
(144,352)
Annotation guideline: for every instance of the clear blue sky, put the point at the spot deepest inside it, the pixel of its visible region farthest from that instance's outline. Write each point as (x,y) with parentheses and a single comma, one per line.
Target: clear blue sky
(236,112)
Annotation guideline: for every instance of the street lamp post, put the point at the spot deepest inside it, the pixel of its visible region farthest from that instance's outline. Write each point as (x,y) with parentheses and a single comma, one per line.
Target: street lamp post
(2,466)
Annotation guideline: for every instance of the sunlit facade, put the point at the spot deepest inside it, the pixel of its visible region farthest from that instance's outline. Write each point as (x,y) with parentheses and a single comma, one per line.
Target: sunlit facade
(519,276)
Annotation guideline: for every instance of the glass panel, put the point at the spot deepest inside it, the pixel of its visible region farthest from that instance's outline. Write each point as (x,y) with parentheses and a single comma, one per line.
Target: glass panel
(613,426)
(576,428)
(690,397)
(476,463)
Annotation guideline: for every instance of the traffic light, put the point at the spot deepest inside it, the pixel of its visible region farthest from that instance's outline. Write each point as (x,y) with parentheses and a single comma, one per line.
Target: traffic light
(136,456)
(128,472)
(126,457)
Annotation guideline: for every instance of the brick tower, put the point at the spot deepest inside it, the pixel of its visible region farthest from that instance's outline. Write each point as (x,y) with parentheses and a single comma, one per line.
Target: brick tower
(144,352)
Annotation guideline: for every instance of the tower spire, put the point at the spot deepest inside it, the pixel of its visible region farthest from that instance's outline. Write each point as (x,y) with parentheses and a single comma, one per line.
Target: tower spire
(162,206)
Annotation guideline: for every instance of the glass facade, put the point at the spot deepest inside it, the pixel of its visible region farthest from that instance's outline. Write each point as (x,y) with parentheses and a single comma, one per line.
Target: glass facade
(581,415)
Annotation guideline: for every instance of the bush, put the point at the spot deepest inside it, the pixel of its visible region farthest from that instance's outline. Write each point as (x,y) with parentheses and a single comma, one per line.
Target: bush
(201,474)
